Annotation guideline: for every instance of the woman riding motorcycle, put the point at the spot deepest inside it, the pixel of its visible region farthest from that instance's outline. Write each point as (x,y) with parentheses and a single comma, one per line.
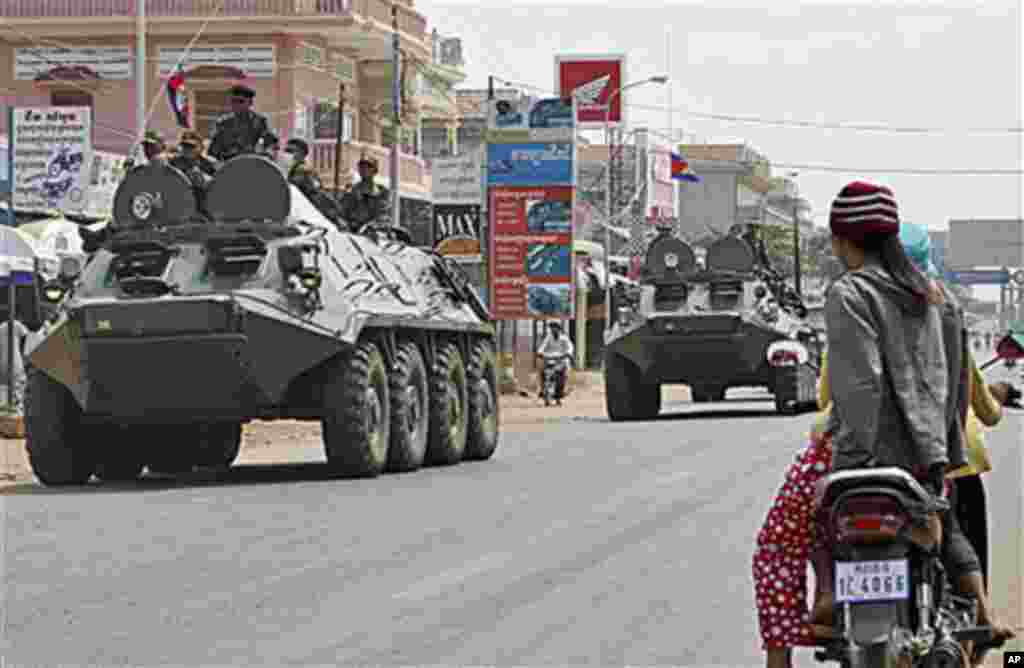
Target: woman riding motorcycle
(889,327)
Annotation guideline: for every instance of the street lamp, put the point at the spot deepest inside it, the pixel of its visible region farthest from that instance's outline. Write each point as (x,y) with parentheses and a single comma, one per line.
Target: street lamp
(796,234)
(661,80)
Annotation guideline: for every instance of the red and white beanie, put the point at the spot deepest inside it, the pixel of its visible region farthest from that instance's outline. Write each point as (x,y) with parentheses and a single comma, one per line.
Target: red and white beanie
(864,209)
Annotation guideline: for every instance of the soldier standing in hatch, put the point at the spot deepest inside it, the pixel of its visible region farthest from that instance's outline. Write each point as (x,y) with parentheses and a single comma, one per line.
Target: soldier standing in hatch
(305,179)
(366,202)
(153,148)
(190,155)
(191,161)
(240,131)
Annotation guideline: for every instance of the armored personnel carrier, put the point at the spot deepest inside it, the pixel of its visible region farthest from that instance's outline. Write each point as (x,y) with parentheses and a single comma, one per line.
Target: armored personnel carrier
(184,324)
(733,322)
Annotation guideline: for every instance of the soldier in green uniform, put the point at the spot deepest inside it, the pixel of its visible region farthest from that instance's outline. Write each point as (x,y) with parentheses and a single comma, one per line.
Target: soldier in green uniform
(306,180)
(198,168)
(190,155)
(240,131)
(366,202)
(153,147)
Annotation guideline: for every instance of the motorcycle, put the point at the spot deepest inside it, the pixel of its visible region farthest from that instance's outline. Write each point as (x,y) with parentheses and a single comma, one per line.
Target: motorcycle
(549,377)
(893,604)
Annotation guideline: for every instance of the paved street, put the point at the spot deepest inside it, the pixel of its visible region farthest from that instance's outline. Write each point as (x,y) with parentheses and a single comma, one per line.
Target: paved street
(585,542)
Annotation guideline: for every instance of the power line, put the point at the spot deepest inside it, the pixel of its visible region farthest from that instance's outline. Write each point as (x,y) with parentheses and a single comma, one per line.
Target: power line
(755,120)
(845,169)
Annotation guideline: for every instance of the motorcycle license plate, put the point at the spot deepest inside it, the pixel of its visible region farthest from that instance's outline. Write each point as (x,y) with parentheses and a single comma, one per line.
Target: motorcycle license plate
(870,581)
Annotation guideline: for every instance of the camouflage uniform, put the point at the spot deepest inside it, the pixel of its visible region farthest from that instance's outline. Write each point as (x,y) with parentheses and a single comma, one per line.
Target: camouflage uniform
(303,178)
(366,203)
(238,133)
(187,164)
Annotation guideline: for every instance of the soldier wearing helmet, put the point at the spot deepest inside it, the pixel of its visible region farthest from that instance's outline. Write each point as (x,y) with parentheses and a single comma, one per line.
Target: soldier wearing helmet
(366,202)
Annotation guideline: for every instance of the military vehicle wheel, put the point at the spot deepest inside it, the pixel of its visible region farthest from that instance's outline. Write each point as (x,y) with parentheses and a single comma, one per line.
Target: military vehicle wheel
(58,444)
(357,413)
(218,444)
(627,396)
(118,455)
(410,410)
(483,403)
(449,414)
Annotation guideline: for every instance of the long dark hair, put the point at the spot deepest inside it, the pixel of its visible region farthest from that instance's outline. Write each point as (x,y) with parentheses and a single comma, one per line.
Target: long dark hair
(894,259)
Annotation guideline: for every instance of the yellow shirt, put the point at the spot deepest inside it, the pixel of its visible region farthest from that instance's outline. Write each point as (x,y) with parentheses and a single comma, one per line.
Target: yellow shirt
(983,410)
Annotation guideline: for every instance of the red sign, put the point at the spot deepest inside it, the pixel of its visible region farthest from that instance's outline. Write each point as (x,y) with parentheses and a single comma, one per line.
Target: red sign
(531,252)
(595,82)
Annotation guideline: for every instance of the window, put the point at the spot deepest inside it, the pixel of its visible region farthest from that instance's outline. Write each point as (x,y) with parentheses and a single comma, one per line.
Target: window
(325,122)
(71,98)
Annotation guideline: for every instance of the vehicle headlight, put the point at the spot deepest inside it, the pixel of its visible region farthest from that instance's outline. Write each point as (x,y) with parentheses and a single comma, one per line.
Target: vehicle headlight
(671,260)
(53,292)
(311,278)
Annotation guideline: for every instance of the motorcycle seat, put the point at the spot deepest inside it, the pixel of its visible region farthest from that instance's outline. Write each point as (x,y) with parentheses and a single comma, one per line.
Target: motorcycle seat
(897,479)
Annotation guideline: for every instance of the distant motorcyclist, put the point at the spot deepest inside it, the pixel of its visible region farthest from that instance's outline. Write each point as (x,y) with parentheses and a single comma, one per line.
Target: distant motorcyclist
(366,202)
(556,346)
(240,131)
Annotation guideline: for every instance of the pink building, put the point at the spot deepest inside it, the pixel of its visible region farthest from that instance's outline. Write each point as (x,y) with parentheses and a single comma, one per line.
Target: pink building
(296,54)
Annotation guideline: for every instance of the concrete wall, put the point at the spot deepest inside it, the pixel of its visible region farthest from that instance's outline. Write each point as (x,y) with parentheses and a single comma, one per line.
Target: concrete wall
(710,203)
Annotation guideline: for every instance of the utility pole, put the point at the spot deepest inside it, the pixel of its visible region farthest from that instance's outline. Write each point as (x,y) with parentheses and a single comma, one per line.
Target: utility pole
(339,140)
(396,117)
(140,72)
(796,247)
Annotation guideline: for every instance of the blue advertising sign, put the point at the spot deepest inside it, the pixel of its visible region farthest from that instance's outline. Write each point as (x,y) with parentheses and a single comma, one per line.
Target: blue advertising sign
(5,184)
(980,277)
(529,164)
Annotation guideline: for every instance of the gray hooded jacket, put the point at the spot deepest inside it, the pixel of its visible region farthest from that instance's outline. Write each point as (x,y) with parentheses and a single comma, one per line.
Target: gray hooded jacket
(889,374)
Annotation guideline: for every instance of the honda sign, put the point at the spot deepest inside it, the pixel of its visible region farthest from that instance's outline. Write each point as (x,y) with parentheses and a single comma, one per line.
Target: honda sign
(594,80)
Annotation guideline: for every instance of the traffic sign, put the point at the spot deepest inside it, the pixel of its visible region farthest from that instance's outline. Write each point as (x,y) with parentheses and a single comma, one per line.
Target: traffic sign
(1018,277)
(980,277)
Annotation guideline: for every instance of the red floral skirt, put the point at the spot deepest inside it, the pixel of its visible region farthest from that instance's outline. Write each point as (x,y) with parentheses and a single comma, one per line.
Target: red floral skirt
(784,546)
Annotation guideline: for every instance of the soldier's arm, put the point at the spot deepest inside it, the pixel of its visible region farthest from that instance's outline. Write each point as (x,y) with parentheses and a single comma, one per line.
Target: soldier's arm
(217,147)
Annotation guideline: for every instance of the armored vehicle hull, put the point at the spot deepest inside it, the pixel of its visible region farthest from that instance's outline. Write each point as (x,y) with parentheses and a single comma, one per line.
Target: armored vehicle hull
(183,326)
(712,329)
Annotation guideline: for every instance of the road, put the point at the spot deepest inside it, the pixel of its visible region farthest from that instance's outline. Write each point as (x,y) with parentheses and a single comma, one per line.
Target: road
(585,543)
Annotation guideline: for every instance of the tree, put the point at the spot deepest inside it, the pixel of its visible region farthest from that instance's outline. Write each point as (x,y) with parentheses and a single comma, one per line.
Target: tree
(815,250)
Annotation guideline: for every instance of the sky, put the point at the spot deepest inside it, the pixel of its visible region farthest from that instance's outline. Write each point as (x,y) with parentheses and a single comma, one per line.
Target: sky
(950,66)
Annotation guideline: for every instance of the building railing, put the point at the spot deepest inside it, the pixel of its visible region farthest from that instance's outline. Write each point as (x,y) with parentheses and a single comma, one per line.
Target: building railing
(409,21)
(412,171)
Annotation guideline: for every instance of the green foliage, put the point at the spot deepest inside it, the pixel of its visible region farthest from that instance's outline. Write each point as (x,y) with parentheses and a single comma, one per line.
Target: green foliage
(815,249)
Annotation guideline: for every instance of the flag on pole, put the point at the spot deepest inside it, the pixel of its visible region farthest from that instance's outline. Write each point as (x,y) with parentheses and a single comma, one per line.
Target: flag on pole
(178,98)
(681,169)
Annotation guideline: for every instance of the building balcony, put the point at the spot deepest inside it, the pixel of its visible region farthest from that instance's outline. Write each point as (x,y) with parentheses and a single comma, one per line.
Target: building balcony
(412,171)
(280,15)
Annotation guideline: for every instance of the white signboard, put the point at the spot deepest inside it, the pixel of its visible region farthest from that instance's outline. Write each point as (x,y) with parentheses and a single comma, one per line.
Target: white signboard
(458,179)
(109,62)
(52,157)
(256,60)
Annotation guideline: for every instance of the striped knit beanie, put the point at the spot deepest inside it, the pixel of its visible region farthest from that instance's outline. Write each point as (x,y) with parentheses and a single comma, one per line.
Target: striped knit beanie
(864,209)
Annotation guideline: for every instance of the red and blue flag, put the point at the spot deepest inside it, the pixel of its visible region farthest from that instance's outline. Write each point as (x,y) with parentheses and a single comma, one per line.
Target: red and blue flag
(681,169)
(178,98)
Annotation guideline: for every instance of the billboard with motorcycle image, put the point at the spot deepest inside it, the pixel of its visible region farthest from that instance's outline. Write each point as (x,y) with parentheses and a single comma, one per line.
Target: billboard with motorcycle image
(51,158)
